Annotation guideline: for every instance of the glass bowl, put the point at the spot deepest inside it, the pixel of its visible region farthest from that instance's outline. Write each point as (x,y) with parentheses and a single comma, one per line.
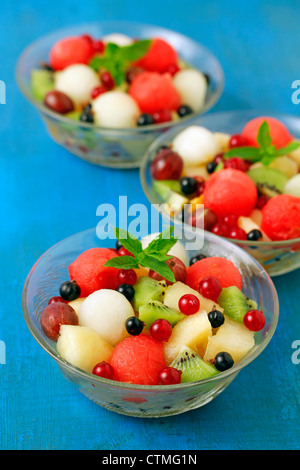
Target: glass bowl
(120,148)
(277,257)
(51,270)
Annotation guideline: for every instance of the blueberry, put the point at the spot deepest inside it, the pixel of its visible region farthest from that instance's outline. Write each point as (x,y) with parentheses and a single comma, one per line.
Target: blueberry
(254,235)
(69,290)
(127,290)
(216,318)
(87,114)
(118,245)
(184,110)
(134,326)
(223,361)
(145,120)
(188,185)
(210,167)
(196,258)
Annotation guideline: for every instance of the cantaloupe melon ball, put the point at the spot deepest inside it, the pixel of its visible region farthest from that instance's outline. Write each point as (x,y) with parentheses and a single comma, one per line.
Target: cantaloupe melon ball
(177,250)
(115,109)
(118,38)
(106,312)
(191,86)
(196,145)
(77,81)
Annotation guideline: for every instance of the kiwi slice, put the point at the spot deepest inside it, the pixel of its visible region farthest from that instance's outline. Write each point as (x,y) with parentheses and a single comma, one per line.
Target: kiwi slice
(165,188)
(192,365)
(156,310)
(235,303)
(147,289)
(41,83)
(269,181)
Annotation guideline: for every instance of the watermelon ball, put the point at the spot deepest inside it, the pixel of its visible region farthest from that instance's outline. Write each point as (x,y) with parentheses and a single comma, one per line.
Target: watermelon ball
(281,217)
(279,133)
(69,51)
(154,91)
(138,360)
(159,57)
(90,273)
(230,191)
(220,268)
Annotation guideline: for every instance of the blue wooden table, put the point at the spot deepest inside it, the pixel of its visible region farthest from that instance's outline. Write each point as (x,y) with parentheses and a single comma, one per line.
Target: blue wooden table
(47,194)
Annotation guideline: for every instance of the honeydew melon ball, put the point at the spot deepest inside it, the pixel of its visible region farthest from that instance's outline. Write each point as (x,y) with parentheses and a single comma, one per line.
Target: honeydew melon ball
(77,81)
(115,109)
(118,38)
(292,186)
(177,250)
(106,312)
(196,145)
(191,86)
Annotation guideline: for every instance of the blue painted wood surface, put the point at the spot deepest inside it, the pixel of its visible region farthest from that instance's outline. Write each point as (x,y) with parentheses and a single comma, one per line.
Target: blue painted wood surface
(47,194)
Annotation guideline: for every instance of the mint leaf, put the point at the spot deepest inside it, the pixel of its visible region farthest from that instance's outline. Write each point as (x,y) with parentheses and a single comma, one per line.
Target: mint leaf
(248,153)
(123,262)
(160,267)
(136,50)
(264,138)
(129,241)
(162,244)
(289,148)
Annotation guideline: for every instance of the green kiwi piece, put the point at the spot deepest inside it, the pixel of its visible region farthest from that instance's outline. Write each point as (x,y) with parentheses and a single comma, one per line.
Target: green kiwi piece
(41,83)
(192,365)
(269,181)
(166,188)
(235,303)
(147,289)
(156,310)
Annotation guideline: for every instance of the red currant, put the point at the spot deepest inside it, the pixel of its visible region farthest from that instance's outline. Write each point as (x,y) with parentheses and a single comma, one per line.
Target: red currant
(103,369)
(220,229)
(98,90)
(237,163)
(167,165)
(99,46)
(169,376)
(161,116)
(123,252)
(262,201)
(107,80)
(210,287)
(237,140)
(88,38)
(161,330)
(230,220)
(127,276)
(237,233)
(172,69)
(57,298)
(200,185)
(254,320)
(219,158)
(189,304)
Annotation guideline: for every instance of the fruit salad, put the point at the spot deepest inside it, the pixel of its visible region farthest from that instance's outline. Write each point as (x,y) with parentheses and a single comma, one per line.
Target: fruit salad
(118,82)
(244,186)
(144,312)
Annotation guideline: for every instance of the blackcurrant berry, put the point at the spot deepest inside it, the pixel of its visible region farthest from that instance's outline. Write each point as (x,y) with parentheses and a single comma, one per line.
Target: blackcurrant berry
(210,167)
(70,290)
(223,361)
(145,120)
(184,110)
(188,185)
(216,318)
(196,258)
(127,290)
(134,326)
(118,245)
(254,235)
(87,115)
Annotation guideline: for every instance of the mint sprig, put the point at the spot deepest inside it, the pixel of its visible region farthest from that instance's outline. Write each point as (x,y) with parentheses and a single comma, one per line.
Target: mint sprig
(154,256)
(116,59)
(266,152)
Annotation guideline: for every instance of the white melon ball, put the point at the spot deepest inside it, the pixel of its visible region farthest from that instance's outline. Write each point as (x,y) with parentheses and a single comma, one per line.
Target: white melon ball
(77,81)
(191,86)
(106,312)
(177,250)
(118,38)
(292,186)
(115,109)
(196,145)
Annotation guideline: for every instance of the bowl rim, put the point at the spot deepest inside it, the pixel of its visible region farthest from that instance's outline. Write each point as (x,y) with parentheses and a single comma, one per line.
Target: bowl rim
(247,359)
(196,121)
(105,130)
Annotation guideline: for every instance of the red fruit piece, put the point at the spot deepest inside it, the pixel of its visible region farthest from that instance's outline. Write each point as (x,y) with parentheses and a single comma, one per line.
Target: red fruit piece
(167,165)
(221,268)
(69,51)
(254,320)
(55,315)
(177,267)
(159,56)
(210,287)
(138,360)
(230,191)
(281,217)
(103,369)
(58,102)
(90,273)
(154,91)
(169,376)
(279,133)
(237,140)
(237,163)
